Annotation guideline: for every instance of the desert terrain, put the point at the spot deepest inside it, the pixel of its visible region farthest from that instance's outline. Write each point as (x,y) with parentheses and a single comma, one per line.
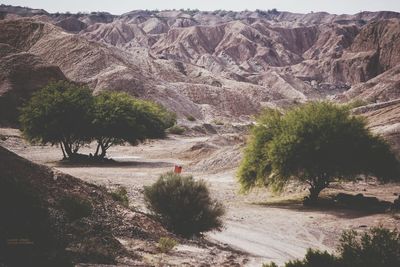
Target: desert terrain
(259,227)
(220,69)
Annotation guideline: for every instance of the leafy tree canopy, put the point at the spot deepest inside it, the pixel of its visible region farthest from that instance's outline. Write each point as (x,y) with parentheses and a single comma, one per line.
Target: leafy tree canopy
(67,114)
(119,118)
(58,114)
(314,143)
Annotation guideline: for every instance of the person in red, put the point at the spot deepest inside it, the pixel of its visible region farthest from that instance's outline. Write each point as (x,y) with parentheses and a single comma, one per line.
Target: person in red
(178,169)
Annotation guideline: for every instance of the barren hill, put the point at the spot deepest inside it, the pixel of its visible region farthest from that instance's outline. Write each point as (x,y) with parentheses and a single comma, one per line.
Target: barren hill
(64,219)
(48,217)
(217,64)
(217,67)
(21,73)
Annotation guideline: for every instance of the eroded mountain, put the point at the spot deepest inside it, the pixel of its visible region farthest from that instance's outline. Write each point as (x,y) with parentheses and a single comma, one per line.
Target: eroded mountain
(217,64)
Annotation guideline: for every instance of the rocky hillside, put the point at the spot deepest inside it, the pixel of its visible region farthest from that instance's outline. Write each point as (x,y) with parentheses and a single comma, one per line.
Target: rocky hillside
(53,219)
(383,119)
(64,219)
(21,73)
(217,64)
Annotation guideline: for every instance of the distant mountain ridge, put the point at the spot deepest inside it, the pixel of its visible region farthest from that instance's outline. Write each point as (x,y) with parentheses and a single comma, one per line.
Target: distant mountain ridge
(217,64)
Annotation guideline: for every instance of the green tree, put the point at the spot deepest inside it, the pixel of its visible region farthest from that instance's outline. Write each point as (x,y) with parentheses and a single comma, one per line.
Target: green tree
(120,118)
(58,114)
(314,143)
(256,165)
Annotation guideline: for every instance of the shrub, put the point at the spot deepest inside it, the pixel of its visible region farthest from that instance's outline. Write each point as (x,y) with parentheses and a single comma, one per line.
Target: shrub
(315,258)
(314,143)
(183,205)
(121,195)
(75,207)
(191,118)
(166,244)
(379,247)
(176,129)
(218,122)
(356,103)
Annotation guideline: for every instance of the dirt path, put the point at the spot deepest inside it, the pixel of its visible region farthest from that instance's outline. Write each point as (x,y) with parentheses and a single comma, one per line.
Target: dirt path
(266,233)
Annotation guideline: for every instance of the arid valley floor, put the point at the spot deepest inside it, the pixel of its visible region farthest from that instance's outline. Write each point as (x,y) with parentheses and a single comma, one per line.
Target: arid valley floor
(216,70)
(259,227)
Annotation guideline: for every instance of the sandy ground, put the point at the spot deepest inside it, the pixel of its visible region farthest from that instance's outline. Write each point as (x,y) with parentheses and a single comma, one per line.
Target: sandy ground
(266,232)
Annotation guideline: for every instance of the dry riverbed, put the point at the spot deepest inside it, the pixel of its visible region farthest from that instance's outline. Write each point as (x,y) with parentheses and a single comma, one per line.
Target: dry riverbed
(262,231)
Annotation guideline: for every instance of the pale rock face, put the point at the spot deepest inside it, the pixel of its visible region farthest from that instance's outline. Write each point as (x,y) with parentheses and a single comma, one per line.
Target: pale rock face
(221,63)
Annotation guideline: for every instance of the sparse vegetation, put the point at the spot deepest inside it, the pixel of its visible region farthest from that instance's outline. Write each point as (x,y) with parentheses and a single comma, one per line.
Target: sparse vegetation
(272,264)
(121,195)
(218,122)
(183,204)
(379,247)
(166,244)
(75,207)
(356,103)
(191,118)
(314,143)
(176,129)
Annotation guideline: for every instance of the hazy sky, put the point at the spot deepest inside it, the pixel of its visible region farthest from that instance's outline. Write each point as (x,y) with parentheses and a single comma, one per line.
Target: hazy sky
(122,6)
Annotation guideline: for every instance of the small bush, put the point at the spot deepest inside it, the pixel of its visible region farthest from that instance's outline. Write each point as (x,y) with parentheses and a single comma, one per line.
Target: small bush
(191,118)
(3,137)
(183,205)
(121,195)
(315,258)
(379,247)
(218,122)
(166,244)
(356,103)
(76,208)
(176,129)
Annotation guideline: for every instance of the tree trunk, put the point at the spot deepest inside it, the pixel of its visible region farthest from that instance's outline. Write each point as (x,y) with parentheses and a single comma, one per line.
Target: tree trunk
(317,184)
(97,149)
(314,193)
(103,151)
(105,144)
(62,149)
(67,149)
